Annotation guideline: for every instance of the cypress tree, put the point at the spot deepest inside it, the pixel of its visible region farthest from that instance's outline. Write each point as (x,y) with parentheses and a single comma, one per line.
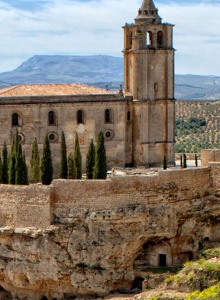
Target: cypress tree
(100,168)
(5,164)
(164,162)
(12,170)
(90,160)
(19,166)
(63,164)
(71,167)
(35,162)
(77,159)
(25,171)
(1,170)
(196,160)
(12,158)
(46,163)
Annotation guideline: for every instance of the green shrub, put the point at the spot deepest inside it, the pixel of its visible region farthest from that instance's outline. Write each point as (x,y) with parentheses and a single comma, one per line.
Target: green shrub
(212,293)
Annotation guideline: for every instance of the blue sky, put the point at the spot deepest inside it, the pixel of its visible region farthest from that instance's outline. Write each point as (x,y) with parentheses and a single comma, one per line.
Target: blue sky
(31,27)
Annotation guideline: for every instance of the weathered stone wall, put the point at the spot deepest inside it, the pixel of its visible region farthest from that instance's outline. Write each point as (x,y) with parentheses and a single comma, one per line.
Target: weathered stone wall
(65,200)
(209,155)
(25,206)
(70,197)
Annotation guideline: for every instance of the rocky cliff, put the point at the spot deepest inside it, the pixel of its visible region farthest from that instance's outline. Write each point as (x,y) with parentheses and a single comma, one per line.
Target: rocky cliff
(93,248)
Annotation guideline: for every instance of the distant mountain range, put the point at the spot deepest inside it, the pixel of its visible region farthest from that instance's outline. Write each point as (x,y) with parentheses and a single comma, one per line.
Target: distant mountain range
(100,70)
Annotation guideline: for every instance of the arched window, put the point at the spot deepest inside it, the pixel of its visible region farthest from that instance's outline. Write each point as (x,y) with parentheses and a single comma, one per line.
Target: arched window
(15,119)
(51,118)
(128,115)
(80,117)
(149,38)
(108,116)
(160,39)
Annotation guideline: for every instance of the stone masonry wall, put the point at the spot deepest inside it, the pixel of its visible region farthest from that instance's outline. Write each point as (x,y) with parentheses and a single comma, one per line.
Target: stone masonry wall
(25,206)
(209,155)
(65,200)
(71,198)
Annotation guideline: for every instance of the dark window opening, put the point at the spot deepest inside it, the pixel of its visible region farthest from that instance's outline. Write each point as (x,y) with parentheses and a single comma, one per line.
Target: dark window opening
(206,239)
(51,118)
(130,41)
(162,260)
(52,137)
(108,134)
(156,86)
(137,283)
(15,119)
(128,115)
(108,116)
(160,39)
(80,117)
(190,256)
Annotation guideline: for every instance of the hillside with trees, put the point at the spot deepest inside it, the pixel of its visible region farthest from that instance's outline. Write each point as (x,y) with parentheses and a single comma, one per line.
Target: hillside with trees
(197,125)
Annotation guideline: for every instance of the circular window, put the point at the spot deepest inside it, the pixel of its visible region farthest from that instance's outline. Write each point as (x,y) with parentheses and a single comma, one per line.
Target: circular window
(21,138)
(53,137)
(109,134)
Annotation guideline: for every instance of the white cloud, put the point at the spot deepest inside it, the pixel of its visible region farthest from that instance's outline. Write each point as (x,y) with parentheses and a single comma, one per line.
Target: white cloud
(196,37)
(92,27)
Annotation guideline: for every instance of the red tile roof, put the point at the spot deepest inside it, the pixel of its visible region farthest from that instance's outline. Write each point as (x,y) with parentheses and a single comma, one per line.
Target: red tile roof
(51,89)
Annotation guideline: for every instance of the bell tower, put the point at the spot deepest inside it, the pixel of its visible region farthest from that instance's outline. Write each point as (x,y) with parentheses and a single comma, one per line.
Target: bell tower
(149,77)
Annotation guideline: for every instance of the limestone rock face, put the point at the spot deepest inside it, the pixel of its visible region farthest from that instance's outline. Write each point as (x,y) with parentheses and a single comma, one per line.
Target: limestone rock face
(93,256)
(90,238)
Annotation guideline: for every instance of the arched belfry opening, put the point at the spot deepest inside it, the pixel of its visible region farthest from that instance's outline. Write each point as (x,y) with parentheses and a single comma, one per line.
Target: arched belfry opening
(149,38)
(160,39)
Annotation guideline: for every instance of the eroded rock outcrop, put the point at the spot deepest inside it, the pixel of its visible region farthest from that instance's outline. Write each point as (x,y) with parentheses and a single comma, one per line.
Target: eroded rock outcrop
(94,248)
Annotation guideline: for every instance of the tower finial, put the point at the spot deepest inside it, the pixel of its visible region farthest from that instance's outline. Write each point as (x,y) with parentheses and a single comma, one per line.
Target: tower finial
(148,13)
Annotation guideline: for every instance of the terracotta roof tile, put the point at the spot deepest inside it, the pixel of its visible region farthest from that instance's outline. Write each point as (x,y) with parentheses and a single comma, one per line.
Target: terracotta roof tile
(51,89)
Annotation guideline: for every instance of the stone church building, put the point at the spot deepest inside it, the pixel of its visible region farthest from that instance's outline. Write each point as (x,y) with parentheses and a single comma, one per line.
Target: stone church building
(138,123)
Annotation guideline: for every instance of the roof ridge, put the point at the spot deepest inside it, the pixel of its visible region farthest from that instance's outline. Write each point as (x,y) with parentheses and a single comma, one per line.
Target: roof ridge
(52,89)
(7,89)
